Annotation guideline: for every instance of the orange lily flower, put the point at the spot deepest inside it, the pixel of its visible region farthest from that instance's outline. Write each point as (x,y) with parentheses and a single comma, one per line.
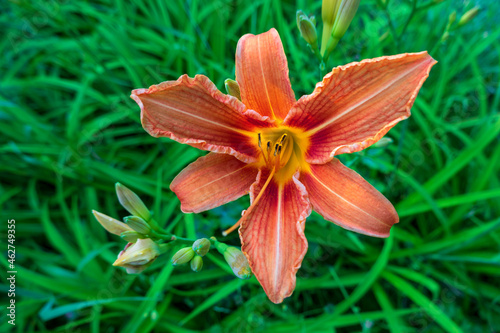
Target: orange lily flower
(282,151)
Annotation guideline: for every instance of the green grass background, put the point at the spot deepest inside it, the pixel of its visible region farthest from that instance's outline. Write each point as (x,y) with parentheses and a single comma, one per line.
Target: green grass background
(69,131)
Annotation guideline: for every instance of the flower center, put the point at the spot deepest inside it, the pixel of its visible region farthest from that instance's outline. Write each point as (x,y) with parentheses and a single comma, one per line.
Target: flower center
(283,153)
(282,149)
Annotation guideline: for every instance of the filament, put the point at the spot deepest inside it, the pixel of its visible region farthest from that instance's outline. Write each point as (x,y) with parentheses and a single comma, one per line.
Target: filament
(254,203)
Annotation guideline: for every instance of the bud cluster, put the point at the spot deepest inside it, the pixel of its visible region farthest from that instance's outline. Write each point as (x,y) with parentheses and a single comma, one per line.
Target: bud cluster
(141,251)
(193,254)
(144,236)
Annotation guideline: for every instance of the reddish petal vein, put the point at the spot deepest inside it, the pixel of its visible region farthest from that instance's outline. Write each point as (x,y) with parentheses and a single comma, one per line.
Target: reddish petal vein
(368,98)
(347,201)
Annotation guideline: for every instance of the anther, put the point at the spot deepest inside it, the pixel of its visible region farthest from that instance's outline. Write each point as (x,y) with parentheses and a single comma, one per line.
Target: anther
(283,138)
(260,142)
(276,149)
(268,145)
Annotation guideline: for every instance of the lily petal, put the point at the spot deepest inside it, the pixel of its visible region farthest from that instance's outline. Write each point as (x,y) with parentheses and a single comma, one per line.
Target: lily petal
(262,74)
(211,181)
(342,196)
(193,111)
(358,103)
(272,235)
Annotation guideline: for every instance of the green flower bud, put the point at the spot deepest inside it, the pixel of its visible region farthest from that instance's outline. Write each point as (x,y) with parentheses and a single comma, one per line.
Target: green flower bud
(110,224)
(308,31)
(130,236)
(197,264)
(329,10)
(183,256)
(337,16)
(346,13)
(452,18)
(138,224)
(138,256)
(232,88)
(201,246)
(468,16)
(131,202)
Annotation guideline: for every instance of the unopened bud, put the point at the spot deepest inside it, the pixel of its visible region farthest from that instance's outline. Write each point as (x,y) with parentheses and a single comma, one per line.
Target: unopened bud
(468,16)
(183,256)
(345,14)
(138,224)
(197,263)
(238,263)
(382,143)
(201,246)
(110,224)
(130,236)
(452,18)
(131,202)
(137,257)
(232,88)
(236,260)
(329,10)
(308,30)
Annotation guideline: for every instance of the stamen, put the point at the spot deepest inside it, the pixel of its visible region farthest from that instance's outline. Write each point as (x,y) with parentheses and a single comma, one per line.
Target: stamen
(260,142)
(254,203)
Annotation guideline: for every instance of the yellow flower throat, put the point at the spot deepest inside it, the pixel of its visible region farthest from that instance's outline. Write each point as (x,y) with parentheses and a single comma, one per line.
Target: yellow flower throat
(282,151)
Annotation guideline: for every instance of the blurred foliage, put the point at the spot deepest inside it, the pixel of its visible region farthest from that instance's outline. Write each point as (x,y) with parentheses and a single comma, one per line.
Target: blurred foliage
(69,131)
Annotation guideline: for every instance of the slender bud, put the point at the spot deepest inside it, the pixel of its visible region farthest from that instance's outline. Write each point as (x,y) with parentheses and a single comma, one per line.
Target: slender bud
(347,10)
(201,246)
(468,16)
(337,16)
(130,236)
(197,263)
(110,224)
(232,88)
(138,224)
(329,11)
(137,257)
(452,17)
(382,143)
(183,256)
(308,31)
(131,202)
